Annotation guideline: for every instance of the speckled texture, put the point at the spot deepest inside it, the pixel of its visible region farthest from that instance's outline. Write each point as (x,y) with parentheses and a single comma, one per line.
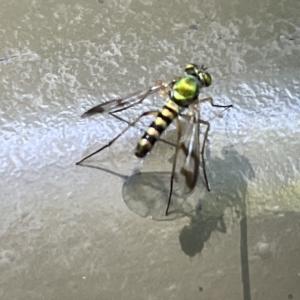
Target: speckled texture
(69,232)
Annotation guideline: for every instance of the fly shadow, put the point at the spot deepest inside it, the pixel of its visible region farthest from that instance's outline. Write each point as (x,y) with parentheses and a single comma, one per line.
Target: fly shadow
(228,191)
(145,194)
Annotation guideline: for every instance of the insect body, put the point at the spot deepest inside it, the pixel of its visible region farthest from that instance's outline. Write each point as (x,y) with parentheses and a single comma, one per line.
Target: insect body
(182,94)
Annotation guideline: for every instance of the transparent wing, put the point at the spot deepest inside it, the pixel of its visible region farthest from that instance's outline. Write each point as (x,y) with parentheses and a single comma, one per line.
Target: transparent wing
(119,104)
(189,170)
(191,147)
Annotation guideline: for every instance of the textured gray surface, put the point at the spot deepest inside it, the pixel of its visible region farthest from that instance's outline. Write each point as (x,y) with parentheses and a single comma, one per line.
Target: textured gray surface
(65,231)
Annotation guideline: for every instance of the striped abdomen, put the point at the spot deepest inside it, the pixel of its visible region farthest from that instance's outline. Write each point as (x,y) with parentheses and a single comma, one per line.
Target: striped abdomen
(164,118)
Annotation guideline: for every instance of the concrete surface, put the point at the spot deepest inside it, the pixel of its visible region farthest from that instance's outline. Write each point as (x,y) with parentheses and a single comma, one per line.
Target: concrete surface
(74,232)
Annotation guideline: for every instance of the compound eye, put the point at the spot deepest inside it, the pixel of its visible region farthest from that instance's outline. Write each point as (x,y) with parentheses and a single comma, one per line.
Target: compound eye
(191,69)
(207,79)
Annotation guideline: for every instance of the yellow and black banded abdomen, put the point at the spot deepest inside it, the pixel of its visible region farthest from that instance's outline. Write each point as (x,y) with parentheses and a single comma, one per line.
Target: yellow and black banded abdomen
(164,118)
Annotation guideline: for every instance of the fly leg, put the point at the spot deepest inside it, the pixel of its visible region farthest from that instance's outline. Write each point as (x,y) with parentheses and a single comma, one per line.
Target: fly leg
(210,100)
(146,113)
(178,126)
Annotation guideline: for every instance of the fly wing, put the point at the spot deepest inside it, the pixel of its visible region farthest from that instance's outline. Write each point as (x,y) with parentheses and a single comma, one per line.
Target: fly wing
(191,150)
(118,104)
(189,170)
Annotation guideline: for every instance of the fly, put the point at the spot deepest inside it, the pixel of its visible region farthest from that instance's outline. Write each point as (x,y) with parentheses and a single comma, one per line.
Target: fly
(182,95)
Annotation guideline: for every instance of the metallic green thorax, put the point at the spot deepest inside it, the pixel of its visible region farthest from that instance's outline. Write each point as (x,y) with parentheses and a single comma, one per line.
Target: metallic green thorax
(185,90)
